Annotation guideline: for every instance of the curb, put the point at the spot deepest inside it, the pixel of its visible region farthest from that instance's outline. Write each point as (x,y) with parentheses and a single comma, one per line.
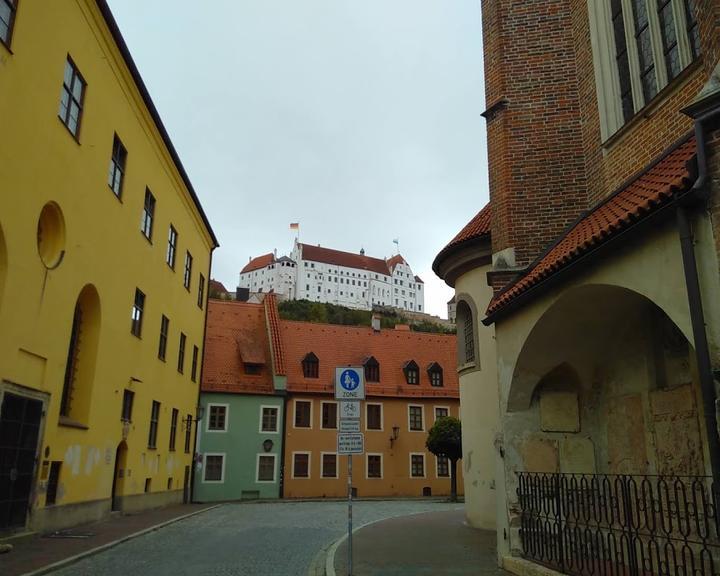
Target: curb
(107,546)
(330,556)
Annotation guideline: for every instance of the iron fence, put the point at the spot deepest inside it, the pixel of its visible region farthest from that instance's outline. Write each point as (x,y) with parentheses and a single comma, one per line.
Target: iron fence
(621,525)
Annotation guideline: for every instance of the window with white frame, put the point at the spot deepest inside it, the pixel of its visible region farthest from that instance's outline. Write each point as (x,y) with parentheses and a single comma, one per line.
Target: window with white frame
(303,414)
(214,469)
(639,47)
(301,465)
(373,416)
(329,465)
(441,412)
(417,465)
(266,467)
(442,469)
(269,418)
(329,415)
(217,417)
(373,465)
(415,418)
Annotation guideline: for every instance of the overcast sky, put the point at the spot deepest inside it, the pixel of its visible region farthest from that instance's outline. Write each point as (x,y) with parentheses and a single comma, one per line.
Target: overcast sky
(359,119)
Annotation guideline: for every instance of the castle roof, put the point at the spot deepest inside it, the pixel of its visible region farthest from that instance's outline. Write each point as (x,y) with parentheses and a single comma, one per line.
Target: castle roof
(259,262)
(346,259)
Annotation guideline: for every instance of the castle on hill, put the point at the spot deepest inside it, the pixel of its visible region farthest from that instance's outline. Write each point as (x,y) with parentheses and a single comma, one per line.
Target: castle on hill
(331,276)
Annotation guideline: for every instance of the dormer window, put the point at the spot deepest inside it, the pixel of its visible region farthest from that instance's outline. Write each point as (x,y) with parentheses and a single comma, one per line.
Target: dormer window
(252,369)
(372,370)
(435,373)
(412,372)
(310,365)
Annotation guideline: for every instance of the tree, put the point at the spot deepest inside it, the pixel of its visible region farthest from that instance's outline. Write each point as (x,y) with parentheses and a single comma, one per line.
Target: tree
(445,439)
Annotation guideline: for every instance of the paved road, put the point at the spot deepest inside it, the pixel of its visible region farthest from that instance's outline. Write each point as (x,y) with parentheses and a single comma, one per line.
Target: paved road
(275,539)
(426,544)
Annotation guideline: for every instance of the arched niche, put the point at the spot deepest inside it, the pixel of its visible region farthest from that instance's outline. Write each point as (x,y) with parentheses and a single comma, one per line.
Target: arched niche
(83,342)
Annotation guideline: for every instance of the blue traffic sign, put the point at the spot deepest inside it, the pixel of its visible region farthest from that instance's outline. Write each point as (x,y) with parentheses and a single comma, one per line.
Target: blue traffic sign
(349,383)
(349,380)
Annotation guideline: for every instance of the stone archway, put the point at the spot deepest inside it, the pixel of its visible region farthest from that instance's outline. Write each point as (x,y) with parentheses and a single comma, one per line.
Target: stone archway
(606,382)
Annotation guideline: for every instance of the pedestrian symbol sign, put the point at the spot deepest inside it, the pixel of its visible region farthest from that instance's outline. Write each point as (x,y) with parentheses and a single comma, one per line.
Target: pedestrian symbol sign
(349,383)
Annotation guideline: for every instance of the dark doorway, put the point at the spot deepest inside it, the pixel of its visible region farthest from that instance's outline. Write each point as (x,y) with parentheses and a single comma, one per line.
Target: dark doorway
(119,476)
(19,430)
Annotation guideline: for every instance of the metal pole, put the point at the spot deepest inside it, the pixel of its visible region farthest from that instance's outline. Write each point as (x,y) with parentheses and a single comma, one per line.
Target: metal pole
(350,558)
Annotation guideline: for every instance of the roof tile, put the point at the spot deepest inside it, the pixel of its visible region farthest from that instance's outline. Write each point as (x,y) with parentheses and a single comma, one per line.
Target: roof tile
(236,329)
(347,259)
(352,345)
(259,262)
(649,191)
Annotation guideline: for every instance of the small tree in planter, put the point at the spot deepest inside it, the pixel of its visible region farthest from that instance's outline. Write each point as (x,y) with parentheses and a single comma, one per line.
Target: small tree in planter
(445,439)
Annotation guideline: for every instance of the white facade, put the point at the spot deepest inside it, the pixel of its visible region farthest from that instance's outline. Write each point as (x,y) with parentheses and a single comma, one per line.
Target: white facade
(331,276)
(271,274)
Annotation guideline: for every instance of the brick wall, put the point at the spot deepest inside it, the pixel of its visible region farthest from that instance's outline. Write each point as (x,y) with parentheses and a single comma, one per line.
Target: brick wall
(547,162)
(537,173)
(653,130)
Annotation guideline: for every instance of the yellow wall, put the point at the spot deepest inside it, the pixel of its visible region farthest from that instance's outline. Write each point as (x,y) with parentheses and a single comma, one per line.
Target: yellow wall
(41,162)
(395,481)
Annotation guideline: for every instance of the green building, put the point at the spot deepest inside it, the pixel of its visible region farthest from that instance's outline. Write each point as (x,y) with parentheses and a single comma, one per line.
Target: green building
(240,433)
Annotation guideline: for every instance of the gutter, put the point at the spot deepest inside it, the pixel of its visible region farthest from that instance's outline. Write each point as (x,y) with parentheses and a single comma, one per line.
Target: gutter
(697,316)
(140,84)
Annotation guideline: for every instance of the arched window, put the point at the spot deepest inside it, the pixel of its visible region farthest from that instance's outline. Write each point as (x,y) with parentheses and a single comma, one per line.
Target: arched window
(412,372)
(465,334)
(311,365)
(372,370)
(82,352)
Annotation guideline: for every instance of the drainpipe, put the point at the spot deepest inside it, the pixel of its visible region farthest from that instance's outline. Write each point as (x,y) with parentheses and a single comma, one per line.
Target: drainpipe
(281,468)
(697,317)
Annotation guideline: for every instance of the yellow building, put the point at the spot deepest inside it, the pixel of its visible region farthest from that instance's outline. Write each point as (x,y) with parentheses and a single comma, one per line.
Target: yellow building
(104,260)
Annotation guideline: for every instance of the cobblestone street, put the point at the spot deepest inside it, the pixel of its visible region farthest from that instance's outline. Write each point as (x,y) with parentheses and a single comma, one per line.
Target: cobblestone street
(275,539)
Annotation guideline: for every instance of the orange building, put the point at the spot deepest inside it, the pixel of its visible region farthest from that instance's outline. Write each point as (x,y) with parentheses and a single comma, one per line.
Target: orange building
(410,380)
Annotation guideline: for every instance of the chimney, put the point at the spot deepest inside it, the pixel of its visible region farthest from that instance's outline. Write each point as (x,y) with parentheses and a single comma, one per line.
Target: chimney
(376,323)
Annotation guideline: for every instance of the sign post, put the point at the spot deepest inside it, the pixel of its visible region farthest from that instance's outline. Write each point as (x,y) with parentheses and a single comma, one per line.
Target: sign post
(350,390)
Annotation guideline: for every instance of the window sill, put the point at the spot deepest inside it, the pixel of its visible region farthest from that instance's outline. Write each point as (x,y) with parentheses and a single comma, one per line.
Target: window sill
(650,108)
(152,447)
(148,238)
(70,423)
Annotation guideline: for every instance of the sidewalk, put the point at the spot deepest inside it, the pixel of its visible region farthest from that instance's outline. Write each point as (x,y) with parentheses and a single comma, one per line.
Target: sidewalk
(429,543)
(35,551)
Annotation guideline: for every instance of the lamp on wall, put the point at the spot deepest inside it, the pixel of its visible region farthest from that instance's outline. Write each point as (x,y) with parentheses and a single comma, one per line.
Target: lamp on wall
(395,434)
(267,445)
(199,412)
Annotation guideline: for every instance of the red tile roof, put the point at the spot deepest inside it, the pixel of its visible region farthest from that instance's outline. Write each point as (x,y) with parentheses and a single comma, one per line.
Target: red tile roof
(259,262)
(477,227)
(236,330)
(351,345)
(645,194)
(216,286)
(395,260)
(272,318)
(347,259)
(419,280)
